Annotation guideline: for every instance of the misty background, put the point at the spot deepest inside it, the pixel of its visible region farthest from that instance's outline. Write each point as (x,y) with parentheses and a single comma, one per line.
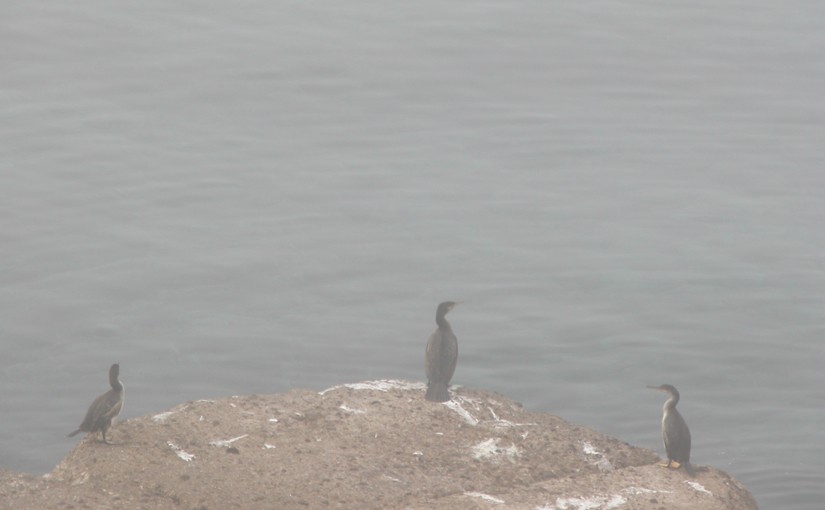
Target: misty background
(237,198)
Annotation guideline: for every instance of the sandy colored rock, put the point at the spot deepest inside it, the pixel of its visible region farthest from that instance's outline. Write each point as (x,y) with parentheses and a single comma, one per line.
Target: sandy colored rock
(369,445)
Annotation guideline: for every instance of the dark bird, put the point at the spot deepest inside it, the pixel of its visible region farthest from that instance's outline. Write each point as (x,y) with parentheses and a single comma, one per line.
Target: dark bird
(105,408)
(675,432)
(441,356)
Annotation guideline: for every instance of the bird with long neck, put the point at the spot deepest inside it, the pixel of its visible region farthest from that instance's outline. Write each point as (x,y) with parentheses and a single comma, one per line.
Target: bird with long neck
(675,432)
(105,408)
(441,356)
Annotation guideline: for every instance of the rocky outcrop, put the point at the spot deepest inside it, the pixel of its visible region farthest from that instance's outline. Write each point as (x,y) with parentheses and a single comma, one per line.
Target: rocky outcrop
(375,444)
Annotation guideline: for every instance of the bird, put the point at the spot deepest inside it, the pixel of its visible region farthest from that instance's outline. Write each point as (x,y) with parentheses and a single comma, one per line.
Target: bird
(675,432)
(441,356)
(105,408)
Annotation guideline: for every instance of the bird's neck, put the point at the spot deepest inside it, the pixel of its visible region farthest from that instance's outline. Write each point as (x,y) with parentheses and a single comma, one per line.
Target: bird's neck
(116,384)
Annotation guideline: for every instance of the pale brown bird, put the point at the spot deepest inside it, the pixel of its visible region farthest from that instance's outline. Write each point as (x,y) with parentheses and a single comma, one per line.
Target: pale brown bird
(675,432)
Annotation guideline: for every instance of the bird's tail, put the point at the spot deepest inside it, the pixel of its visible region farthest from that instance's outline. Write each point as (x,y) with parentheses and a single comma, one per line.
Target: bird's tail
(689,469)
(437,392)
(72,434)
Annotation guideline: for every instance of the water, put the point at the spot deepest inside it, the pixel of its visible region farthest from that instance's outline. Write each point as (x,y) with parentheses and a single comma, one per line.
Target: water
(247,198)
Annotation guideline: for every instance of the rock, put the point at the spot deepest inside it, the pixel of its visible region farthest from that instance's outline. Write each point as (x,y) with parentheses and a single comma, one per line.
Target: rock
(375,444)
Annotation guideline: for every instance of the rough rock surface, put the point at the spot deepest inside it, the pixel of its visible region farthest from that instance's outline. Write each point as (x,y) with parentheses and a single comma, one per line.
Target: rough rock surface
(369,445)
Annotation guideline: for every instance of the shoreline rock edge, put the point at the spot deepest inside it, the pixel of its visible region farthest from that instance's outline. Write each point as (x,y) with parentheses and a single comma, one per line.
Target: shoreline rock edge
(374,444)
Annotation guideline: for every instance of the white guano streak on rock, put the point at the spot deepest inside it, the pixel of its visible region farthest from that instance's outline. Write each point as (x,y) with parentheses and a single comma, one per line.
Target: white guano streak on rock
(602,463)
(642,490)
(589,449)
(490,449)
(459,409)
(698,487)
(500,422)
(344,408)
(588,503)
(379,385)
(485,497)
(226,442)
(186,457)
(161,417)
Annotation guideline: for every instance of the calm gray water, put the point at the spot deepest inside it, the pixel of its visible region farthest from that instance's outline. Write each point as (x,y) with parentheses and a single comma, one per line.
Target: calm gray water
(236,198)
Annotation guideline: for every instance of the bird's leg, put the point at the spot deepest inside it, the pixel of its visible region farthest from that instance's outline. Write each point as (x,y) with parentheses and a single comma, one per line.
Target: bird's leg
(666,464)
